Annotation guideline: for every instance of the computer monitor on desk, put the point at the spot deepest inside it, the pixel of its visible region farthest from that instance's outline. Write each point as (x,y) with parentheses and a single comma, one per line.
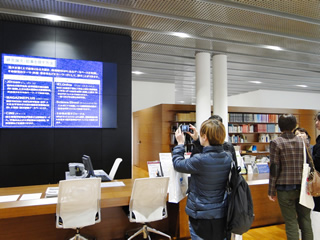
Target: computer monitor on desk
(86,160)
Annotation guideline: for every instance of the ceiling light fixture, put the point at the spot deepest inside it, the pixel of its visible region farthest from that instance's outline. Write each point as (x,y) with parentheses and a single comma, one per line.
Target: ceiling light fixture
(180,34)
(276,48)
(54,17)
(304,86)
(257,82)
(137,72)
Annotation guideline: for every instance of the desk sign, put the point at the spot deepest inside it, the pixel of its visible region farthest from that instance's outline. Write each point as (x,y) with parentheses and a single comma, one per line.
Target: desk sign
(263,167)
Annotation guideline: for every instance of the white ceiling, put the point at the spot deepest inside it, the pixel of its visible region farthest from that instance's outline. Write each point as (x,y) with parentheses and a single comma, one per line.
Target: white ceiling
(239,29)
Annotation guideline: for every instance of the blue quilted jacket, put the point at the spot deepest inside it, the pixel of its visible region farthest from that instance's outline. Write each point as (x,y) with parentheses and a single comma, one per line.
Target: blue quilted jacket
(207,186)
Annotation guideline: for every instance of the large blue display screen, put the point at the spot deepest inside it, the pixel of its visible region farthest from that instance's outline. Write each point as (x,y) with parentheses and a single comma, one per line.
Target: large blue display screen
(40,92)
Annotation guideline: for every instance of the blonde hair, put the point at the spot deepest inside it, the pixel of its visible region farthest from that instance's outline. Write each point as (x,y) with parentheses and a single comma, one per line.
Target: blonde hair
(214,130)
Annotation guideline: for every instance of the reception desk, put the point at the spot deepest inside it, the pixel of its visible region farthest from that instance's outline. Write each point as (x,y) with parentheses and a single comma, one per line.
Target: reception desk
(266,212)
(110,197)
(35,219)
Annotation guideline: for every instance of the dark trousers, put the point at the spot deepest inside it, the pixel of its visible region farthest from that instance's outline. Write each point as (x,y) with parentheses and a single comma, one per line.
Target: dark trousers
(295,215)
(207,229)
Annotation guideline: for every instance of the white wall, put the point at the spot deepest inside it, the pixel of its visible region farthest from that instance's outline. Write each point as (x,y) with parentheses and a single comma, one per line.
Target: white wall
(276,99)
(147,94)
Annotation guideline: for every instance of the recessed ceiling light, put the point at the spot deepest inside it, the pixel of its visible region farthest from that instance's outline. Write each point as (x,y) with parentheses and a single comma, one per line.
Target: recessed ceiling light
(276,48)
(180,34)
(54,17)
(257,82)
(301,85)
(137,72)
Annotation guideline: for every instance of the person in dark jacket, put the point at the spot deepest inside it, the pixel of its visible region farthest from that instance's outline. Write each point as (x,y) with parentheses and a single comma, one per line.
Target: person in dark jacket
(315,214)
(197,148)
(207,197)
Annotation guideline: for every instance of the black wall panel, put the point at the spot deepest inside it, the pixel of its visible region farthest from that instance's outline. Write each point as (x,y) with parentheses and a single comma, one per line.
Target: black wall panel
(41,156)
(24,175)
(111,149)
(124,87)
(71,144)
(111,51)
(69,41)
(26,146)
(27,39)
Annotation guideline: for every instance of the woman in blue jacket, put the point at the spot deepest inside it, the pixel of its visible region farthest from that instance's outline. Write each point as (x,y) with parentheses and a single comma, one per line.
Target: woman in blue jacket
(207,198)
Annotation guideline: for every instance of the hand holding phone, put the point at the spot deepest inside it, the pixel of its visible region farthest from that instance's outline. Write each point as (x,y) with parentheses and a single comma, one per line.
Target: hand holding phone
(179,136)
(185,128)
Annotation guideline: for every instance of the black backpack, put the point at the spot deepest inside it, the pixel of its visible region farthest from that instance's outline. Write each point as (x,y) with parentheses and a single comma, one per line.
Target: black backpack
(240,206)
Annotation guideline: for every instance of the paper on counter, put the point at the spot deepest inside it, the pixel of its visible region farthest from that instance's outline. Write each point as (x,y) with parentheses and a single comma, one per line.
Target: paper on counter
(30,196)
(112,184)
(9,198)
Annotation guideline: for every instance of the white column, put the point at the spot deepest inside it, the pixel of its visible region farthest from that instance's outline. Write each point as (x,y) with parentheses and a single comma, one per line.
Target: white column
(203,104)
(220,88)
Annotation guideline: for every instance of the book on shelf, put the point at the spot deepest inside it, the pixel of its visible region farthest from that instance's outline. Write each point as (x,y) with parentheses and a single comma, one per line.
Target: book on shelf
(271,128)
(186,117)
(193,116)
(243,128)
(273,118)
(248,117)
(260,127)
(253,117)
(235,117)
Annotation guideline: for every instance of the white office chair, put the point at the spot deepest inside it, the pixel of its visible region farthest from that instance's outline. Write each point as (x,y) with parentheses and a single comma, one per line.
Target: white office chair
(114,168)
(78,204)
(148,203)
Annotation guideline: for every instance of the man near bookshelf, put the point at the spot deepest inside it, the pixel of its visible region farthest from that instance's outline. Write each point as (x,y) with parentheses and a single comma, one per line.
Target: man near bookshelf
(227,146)
(286,161)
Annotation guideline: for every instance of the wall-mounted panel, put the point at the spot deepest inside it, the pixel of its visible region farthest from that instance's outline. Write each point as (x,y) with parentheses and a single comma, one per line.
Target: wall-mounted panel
(12,176)
(76,44)
(26,146)
(112,53)
(71,144)
(27,39)
(124,87)
(44,154)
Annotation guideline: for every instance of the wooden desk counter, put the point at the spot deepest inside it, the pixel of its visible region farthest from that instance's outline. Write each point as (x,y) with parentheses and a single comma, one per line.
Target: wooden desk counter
(266,212)
(110,197)
(36,218)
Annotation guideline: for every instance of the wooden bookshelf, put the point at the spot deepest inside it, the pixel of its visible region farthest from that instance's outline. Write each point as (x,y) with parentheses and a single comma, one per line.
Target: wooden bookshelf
(153,128)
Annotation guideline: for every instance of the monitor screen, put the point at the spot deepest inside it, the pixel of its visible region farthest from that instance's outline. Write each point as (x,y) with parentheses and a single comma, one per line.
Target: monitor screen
(41,92)
(86,160)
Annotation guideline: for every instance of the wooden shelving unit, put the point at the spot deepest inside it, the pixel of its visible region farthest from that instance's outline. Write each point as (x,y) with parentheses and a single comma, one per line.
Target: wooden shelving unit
(253,130)
(152,128)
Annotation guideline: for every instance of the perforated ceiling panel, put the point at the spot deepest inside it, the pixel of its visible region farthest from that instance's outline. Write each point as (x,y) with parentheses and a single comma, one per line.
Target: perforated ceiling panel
(242,30)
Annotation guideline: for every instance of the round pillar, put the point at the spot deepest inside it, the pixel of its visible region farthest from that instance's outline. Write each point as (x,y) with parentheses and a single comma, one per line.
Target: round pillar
(203,96)
(220,88)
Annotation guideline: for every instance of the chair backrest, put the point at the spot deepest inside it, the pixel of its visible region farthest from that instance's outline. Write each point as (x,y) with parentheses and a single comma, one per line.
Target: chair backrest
(149,199)
(78,203)
(114,168)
